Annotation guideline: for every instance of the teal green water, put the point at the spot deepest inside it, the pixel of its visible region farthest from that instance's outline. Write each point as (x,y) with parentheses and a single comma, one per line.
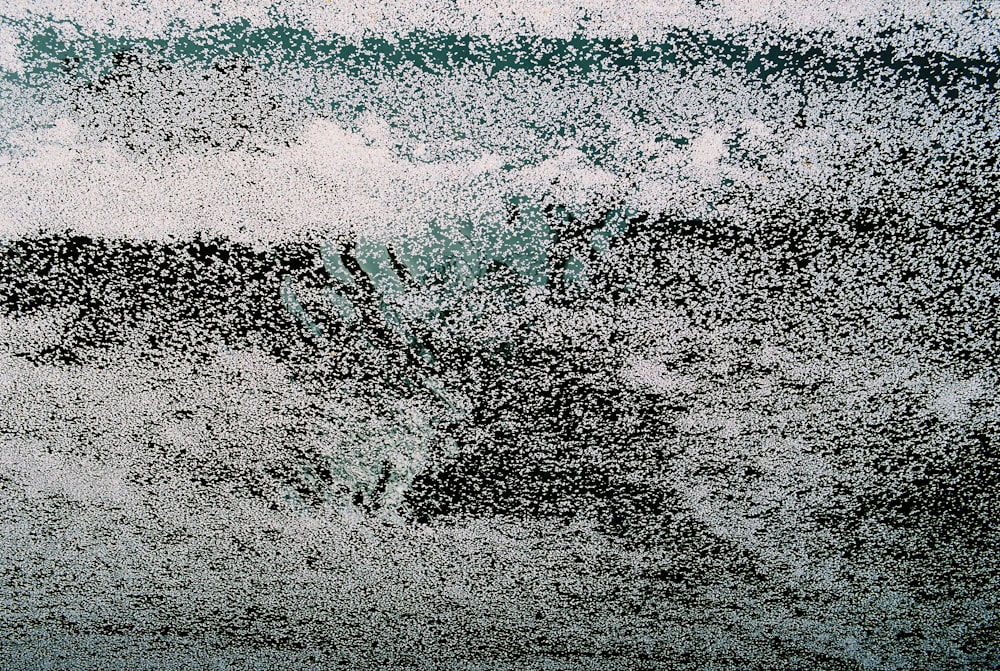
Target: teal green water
(46,52)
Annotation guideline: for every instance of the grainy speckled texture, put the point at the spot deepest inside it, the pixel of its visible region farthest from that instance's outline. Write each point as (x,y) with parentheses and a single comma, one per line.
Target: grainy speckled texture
(499,335)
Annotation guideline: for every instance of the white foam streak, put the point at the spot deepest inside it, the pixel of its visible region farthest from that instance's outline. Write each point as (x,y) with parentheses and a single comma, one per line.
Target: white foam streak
(332,180)
(552,18)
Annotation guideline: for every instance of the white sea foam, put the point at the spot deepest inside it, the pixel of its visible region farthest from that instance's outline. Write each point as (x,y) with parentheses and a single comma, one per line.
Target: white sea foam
(553,18)
(331,180)
(762,437)
(398,168)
